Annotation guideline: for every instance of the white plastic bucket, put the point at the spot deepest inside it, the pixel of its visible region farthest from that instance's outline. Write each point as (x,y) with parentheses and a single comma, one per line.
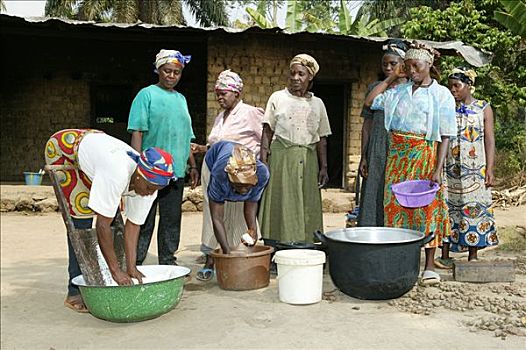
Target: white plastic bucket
(300,275)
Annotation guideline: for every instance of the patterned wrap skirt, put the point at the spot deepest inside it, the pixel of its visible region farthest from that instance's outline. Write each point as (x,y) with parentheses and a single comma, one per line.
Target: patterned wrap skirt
(411,157)
(61,149)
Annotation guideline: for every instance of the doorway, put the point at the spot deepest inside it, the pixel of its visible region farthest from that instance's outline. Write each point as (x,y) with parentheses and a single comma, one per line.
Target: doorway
(110,106)
(334,98)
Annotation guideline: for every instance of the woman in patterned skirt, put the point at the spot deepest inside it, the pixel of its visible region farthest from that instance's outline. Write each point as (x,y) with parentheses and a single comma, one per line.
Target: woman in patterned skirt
(469,171)
(420,118)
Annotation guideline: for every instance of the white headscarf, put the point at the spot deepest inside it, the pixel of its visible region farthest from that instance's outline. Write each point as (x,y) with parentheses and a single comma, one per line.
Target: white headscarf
(171,56)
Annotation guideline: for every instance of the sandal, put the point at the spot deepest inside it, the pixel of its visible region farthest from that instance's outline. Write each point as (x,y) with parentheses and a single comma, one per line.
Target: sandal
(205,274)
(75,303)
(430,278)
(446,264)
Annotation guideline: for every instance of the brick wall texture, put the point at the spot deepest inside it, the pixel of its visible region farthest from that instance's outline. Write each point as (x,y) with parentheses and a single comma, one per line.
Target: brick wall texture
(263,64)
(39,97)
(29,114)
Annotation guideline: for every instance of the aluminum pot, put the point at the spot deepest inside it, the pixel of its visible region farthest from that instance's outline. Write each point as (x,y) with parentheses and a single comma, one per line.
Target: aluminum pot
(374,263)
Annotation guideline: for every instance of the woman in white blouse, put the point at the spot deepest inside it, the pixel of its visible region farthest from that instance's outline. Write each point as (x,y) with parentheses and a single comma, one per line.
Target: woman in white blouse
(294,145)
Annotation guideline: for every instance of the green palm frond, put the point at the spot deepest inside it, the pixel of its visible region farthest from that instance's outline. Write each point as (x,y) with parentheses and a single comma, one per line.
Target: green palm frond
(514,18)
(379,28)
(345,19)
(173,12)
(293,21)
(94,10)
(125,11)
(61,8)
(258,18)
(208,12)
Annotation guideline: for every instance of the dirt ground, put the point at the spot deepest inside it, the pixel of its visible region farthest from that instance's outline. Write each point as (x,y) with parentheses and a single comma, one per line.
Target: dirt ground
(33,286)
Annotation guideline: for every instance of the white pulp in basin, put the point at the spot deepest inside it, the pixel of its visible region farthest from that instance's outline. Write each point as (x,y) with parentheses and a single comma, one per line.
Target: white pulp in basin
(152,273)
(300,275)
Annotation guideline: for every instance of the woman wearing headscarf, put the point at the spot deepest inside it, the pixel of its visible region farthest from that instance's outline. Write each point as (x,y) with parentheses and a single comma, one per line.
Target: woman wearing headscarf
(374,143)
(469,171)
(159,117)
(98,171)
(241,123)
(420,118)
(294,145)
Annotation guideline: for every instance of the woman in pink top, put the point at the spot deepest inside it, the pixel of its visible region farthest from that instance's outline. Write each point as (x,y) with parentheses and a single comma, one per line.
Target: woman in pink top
(237,122)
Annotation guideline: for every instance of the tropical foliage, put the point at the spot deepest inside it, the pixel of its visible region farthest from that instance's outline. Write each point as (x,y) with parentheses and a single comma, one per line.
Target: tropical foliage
(386,9)
(513,17)
(503,82)
(2,6)
(363,24)
(323,16)
(206,12)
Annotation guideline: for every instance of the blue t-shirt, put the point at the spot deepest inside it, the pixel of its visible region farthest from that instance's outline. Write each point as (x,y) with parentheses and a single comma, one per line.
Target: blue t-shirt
(219,188)
(165,121)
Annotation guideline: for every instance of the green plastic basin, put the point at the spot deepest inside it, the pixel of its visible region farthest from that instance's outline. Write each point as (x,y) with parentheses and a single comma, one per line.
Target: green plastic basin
(160,292)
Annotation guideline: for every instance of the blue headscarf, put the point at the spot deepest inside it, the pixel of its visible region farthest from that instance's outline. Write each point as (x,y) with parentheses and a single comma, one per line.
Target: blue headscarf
(155,165)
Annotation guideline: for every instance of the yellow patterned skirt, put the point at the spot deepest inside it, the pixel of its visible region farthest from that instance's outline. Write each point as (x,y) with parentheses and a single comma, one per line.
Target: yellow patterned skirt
(411,157)
(61,149)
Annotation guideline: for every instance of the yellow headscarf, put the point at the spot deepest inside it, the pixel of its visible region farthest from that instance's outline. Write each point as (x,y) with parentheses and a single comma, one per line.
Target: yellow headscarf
(466,75)
(241,167)
(308,61)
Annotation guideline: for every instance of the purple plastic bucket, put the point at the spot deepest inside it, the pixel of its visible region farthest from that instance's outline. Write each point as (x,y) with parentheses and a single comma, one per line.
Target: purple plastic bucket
(415,193)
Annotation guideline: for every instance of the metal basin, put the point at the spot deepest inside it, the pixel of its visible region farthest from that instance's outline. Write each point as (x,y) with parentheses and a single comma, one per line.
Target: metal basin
(375,235)
(160,292)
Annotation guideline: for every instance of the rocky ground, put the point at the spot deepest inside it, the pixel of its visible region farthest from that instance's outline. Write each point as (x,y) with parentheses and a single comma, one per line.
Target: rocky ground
(41,199)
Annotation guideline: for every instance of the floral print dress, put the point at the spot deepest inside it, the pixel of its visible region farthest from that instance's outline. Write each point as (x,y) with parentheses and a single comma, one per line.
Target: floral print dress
(468,199)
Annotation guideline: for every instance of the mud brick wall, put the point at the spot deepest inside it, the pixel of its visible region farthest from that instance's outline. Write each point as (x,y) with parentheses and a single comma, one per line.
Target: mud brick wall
(262,60)
(41,94)
(31,112)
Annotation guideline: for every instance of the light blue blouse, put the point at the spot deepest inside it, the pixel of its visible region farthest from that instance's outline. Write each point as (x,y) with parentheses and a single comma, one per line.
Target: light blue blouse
(428,111)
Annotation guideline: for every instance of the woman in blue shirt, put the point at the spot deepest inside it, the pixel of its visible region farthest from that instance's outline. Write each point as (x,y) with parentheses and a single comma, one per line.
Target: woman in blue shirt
(235,176)
(159,117)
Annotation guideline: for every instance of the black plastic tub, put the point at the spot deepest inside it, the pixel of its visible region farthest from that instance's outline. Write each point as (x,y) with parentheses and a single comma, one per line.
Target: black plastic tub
(374,263)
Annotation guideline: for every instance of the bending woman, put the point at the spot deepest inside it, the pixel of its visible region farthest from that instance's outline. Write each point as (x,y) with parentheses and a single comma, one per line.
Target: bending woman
(242,124)
(420,118)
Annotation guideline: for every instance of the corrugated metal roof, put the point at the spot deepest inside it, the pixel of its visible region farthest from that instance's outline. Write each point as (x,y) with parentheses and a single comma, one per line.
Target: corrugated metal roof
(472,55)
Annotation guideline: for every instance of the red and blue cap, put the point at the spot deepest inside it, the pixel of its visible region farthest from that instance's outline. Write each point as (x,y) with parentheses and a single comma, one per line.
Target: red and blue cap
(155,165)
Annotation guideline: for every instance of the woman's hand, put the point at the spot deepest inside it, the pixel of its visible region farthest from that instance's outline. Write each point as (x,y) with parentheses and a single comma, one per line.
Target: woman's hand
(194,177)
(122,278)
(399,71)
(363,168)
(323,177)
(437,177)
(197,148)
(489,180)
(134,273)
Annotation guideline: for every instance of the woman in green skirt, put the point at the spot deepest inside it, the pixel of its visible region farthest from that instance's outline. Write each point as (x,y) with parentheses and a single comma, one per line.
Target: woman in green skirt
(294,145)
